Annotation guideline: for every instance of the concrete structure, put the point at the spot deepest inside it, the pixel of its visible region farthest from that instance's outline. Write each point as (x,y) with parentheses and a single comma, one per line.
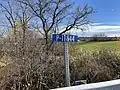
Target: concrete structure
(108,85)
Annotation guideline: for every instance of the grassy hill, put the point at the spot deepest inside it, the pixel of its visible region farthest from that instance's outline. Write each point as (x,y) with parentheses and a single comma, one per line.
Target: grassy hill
(98,45)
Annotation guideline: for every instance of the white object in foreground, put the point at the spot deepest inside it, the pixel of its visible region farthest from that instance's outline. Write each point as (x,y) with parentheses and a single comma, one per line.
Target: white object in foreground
(108,85)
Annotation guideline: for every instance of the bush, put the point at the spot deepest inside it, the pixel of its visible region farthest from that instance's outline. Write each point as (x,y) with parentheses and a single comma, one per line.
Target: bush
(116,39)
(97,66)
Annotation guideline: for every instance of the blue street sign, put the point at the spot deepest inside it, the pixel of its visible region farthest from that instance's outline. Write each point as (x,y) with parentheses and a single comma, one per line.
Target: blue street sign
(64,38)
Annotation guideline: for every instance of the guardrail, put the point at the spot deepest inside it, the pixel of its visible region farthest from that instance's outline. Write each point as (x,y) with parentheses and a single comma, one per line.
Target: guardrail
(108,85)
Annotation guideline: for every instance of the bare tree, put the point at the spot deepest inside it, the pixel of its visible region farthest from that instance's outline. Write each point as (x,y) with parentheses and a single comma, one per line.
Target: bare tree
(58,16)
(17,17)
(27,51)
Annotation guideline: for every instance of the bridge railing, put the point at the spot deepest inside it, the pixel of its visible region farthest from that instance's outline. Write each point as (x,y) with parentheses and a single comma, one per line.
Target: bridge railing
(108,85)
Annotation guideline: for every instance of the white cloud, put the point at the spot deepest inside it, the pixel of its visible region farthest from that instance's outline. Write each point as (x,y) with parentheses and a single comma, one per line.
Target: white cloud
(113,35)
(90,30)
(96,23)
(104,28)
(109,30)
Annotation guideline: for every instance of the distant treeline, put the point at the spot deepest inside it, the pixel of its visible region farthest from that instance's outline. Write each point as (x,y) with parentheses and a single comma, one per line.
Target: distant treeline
(99,38)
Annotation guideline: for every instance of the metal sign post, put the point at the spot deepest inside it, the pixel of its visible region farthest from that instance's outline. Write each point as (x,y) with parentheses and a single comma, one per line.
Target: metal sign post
(66,61)
(65,39)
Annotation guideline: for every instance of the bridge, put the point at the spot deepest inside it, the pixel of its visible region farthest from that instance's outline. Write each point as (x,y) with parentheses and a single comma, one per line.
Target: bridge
(108,85)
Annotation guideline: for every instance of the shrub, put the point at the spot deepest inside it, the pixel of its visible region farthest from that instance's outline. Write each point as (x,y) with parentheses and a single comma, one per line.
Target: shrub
(94,66)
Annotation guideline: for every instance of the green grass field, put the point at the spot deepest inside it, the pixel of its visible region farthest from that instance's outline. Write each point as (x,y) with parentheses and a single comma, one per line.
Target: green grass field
(99,45)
